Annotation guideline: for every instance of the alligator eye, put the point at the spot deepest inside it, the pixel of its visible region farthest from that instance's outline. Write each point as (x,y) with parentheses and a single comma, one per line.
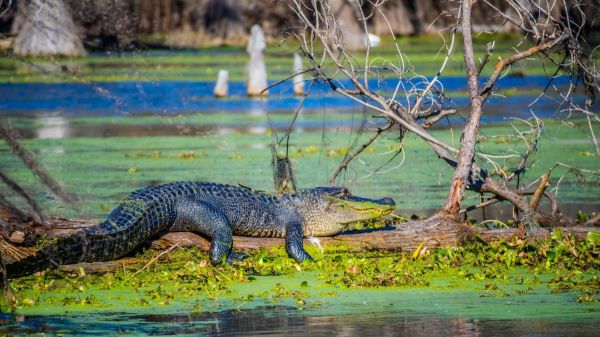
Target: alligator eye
(344,192)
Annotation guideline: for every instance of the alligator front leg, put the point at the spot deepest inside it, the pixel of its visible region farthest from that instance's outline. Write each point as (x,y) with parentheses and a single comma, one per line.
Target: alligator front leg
(293,241)
(201,217)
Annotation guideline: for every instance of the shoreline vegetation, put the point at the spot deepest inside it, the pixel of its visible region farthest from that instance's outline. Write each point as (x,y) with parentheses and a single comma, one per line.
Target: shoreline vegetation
(182,280)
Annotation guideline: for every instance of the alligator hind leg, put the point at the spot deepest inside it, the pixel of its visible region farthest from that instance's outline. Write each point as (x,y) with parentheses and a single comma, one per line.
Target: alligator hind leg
(202,218)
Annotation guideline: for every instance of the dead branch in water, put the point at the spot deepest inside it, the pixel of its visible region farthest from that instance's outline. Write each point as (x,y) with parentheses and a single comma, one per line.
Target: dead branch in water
(13,185)
(11,137)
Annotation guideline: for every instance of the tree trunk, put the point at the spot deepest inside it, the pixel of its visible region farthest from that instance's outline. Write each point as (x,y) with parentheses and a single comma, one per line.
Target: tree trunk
(353,34)
(394,18)
(47,29)
(466,154)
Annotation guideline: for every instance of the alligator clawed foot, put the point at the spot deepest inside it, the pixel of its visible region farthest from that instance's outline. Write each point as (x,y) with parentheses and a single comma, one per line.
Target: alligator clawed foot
(235,257)
(302,256)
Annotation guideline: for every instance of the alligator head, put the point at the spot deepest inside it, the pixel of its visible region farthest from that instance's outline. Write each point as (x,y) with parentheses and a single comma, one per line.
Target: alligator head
(328,210)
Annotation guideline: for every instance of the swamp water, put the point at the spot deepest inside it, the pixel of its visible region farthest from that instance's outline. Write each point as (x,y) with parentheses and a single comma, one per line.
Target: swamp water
(107,139)
(445,308)
(287,321)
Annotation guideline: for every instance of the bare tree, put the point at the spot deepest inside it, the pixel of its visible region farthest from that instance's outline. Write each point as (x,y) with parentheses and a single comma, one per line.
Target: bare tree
(414,105)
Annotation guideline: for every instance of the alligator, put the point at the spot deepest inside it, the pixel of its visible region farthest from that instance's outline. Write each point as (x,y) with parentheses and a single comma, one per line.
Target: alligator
(214,210)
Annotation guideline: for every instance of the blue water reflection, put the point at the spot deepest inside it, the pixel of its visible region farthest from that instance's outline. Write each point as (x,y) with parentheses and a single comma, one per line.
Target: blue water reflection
(176,97)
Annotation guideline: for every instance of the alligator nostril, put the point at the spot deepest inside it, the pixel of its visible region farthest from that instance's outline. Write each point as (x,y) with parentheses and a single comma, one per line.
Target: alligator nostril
(388,201)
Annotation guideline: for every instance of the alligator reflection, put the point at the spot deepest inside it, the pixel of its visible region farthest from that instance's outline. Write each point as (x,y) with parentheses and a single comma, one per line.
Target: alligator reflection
(288,321)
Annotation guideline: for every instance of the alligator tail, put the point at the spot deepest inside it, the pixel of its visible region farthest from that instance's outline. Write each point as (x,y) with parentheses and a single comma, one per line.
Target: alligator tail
(126,228)
(56,251)
(94,244)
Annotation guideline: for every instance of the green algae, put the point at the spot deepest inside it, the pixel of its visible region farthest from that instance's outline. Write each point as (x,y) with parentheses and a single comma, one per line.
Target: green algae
(105,170)
(204,63)
(502,280)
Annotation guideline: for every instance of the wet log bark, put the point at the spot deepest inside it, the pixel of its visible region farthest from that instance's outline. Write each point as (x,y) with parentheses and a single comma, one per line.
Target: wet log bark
(436,232)
(128,263)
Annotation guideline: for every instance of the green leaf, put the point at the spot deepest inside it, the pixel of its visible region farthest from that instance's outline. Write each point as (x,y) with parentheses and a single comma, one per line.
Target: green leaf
(557,234)
(593,238)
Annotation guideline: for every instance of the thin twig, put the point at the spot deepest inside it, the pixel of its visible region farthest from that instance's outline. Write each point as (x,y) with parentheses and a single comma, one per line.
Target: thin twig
(363,147)
(12,209)
(532,147)
(486,58)
(154,259)
(505,62)
(479,205)
(436,118)
(594,140)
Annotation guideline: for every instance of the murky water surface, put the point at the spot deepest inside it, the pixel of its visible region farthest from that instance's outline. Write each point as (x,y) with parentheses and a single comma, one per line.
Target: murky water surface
(288,321)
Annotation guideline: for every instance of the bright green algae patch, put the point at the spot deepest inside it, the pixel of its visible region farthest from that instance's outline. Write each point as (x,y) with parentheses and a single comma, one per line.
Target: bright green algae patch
(502,280)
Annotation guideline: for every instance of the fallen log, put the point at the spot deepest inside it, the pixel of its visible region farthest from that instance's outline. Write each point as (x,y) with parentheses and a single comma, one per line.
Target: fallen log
(128,263)
(405,237)
(434,232)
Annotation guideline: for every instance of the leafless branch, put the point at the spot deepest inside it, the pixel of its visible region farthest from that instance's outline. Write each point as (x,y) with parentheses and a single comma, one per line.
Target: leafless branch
(486,58)
(12,139)
(13,185)
(550,33)
(344,164)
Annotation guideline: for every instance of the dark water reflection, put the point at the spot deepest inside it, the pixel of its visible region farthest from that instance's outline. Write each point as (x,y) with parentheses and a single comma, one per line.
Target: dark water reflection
(61,128)
(287,321)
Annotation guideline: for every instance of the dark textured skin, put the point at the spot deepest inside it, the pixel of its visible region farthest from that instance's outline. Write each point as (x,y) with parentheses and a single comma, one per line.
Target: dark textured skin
(213,210)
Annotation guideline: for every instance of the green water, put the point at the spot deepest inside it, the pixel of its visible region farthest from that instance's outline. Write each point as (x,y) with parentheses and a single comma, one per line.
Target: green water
(455,296)
(420,54)
(103,170)
(448,296)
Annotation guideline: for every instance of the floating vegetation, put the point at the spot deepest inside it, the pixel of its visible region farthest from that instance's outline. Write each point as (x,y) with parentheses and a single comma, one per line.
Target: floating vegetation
(204,64)
(97,167)
(502,269)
